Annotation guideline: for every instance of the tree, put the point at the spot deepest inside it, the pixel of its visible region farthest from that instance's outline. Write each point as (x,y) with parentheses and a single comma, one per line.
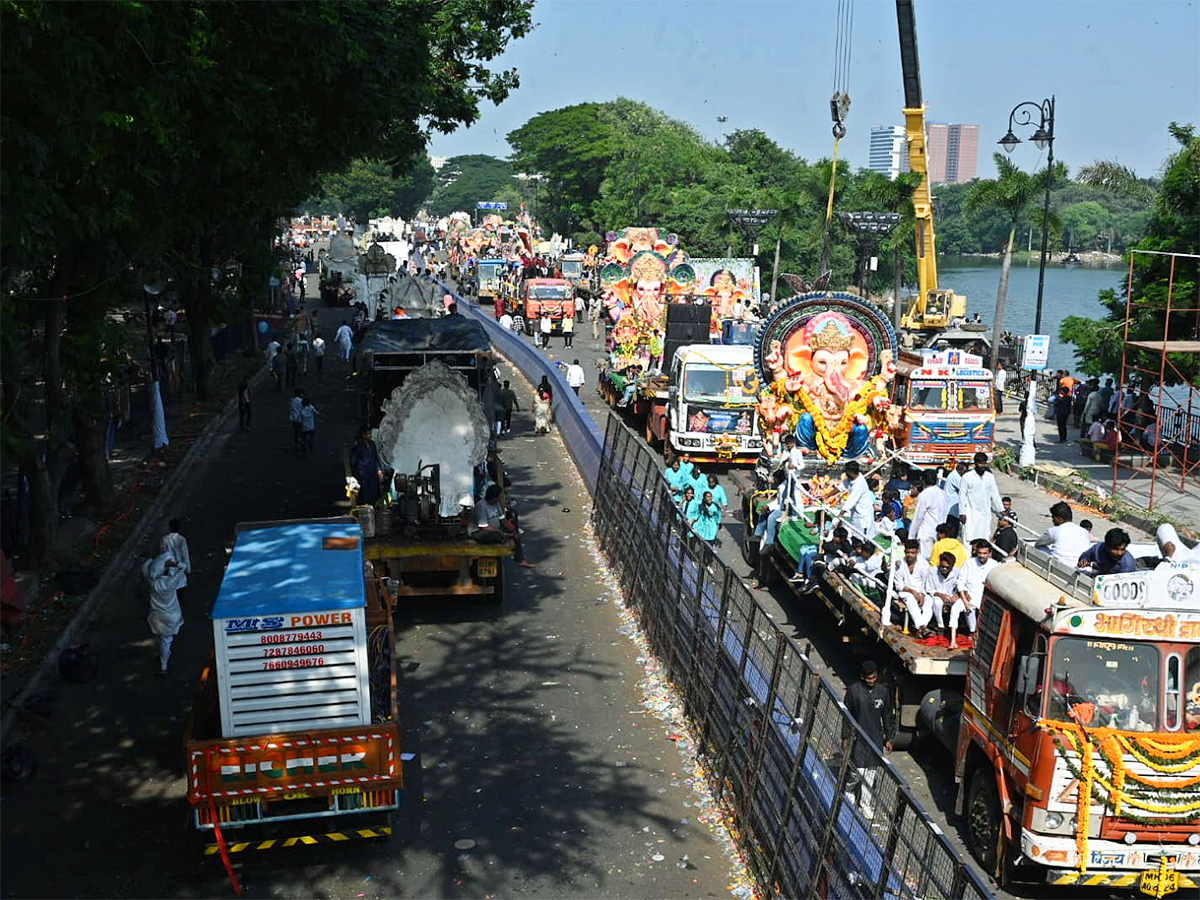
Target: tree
(465,180)
(1014,192)
(371,189)
(1173,228)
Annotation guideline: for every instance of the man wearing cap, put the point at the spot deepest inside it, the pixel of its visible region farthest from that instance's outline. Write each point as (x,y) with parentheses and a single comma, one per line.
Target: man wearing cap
(870,704)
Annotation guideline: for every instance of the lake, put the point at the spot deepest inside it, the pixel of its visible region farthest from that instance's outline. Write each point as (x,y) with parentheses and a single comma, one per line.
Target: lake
(1068,292)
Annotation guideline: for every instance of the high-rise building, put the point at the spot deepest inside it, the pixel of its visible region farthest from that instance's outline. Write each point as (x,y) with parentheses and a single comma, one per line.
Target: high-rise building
(952,152)
(889,150)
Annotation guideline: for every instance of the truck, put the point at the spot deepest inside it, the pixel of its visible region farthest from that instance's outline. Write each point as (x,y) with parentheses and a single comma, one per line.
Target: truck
(576,271)
(553,296)
(427,388)
(1041,707)
(703,409)
(296,716)
(949,411)
(490,273)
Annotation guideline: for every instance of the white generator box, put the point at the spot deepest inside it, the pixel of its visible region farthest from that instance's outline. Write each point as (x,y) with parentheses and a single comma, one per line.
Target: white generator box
(290,631)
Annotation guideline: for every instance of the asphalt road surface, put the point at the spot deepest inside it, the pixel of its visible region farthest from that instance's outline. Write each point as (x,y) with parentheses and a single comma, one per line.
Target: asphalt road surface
(538,771)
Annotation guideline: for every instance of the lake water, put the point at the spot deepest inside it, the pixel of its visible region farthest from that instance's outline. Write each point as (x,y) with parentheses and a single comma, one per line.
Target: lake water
(1068,292)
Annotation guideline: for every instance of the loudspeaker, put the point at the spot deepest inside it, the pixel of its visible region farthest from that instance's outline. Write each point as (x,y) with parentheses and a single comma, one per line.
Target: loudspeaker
(688,332)
(688,312)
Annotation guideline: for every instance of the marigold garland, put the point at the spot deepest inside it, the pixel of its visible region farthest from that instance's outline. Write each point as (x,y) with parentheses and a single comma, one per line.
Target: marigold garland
(831,443)
(1162,753)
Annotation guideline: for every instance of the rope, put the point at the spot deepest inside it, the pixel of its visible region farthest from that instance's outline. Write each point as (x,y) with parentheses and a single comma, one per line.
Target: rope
(212,810)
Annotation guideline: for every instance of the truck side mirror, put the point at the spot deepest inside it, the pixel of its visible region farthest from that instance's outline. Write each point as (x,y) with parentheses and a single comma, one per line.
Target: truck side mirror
(1028,670)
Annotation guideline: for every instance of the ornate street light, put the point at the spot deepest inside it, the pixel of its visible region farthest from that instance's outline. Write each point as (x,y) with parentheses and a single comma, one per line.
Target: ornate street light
(1023,114)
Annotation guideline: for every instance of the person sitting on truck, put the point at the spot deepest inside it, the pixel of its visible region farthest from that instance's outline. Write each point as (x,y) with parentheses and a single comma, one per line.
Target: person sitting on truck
(836,549)
(632,373)
(1063,540)
(948,542)
(495,524)
(768,525)
(899,482)
(941,588)
(909,582)
(866,568)
(366,467)
(970,588)
(888,520)
(1109,556)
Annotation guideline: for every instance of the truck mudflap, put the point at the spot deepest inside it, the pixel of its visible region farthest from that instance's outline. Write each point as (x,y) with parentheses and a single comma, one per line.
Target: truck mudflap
(310,774)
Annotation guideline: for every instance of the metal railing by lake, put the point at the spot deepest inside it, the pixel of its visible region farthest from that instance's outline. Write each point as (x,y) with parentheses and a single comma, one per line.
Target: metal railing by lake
(785,757)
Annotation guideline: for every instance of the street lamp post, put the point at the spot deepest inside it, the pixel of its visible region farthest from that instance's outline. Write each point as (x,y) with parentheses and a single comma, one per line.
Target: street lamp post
(1023,115)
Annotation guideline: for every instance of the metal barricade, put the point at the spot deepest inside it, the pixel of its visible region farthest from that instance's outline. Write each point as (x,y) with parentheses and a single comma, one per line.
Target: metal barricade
(817,809)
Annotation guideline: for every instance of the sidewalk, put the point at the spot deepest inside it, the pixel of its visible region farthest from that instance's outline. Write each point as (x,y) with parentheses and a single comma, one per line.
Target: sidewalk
(1065,469)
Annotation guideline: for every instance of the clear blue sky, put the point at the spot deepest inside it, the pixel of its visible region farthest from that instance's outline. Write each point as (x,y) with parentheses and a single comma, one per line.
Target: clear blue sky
(1121,70)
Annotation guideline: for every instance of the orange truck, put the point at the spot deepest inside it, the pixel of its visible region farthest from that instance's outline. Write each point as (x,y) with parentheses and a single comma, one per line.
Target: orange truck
(555,296)
(296,716)
(1078,756)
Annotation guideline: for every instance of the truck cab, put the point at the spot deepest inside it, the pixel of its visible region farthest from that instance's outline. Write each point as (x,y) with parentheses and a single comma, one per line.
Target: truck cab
(949,409)
(491,274)
(1079,754)
(711,399)
(554,296)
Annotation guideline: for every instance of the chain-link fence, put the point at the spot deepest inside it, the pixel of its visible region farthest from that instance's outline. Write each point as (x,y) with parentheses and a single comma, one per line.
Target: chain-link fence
(818,811)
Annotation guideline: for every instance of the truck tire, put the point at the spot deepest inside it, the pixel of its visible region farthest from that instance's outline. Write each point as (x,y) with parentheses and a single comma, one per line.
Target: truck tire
(984,824)
(497,594)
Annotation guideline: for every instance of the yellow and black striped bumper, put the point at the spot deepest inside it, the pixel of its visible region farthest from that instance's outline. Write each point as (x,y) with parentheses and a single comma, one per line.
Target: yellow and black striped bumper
(304,840)
(1112,879)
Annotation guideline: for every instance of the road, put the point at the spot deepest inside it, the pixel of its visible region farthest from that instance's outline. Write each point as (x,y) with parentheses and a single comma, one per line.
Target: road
(538,771)
(838,652)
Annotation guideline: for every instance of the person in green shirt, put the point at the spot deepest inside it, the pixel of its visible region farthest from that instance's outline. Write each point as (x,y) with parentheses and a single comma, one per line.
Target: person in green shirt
(718,493)
(705,517)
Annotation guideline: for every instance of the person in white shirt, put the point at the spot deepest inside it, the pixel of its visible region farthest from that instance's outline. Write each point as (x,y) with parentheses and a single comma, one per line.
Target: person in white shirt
(792,463)
(859,506)
(868,566)
(176,544)
(910,577)
(505,322)
(930,512)
(344,338)
(999,381)
(979,497)
(318,346)
(546,328)
(295,405)
(1064,540)
(941,589)
(575,376)
(971,579)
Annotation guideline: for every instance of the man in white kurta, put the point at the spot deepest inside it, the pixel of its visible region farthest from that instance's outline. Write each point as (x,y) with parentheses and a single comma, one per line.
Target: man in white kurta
(971,579)
(164,576)
(909,577)
(859,506)
(344,338)
(930,512)
(979,498)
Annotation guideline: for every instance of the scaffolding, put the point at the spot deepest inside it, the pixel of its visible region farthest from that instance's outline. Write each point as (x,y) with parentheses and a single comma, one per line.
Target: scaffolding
(1148,364)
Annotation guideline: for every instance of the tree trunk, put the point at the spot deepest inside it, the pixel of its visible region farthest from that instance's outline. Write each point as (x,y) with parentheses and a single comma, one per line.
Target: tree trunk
(89,437)
(1002,297)
(198,306)
(48,462)
(898,285)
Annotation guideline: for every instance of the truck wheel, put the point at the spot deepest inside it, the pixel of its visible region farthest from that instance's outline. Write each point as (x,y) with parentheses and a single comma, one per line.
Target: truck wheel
(983,819)
(497,595)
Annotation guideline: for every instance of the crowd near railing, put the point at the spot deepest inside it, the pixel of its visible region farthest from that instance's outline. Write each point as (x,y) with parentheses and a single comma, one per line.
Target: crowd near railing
(818,811)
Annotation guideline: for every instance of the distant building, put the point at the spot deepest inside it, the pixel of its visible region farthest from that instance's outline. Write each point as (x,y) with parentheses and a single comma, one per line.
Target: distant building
(952,152)
(889,150)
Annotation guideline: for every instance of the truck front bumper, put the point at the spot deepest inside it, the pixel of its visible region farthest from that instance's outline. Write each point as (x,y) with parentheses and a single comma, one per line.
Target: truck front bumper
(1154,869)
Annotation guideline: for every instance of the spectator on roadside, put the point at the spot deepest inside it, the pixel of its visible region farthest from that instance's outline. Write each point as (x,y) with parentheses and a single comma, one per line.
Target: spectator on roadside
(176,544)
(318,346)
(295,405)
(575,376)
(244,405)
(164,576)
(545,329)
(568,330)
(308,426)
(508,401)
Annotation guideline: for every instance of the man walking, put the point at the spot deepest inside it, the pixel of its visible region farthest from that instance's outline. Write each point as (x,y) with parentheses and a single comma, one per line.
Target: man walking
(575,376)
(979,497)
(244,405)
(568,330)
(308,426)
(344,339)
(594,313)
(545,329)
(508,400)
(870,705)
(295,407)
(318,346)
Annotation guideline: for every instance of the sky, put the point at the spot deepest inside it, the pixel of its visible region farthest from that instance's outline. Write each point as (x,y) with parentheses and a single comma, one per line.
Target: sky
(1120,71)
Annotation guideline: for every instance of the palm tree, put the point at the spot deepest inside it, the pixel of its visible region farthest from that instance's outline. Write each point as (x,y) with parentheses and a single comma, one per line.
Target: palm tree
(1113,176)
(1014,192)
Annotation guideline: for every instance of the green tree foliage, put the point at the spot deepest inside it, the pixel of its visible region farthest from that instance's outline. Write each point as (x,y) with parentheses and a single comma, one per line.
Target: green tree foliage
(371,189)
(464,181)
(147,138)
(1173,227)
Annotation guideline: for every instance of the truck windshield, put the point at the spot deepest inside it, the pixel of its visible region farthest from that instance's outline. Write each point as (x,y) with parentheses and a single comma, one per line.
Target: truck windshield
(974,395)
(707,383)
(927,395)
(549,292)
(572,268)
(1105,684)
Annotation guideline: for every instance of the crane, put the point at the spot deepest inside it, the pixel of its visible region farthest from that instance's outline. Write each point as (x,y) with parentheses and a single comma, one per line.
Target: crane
(933,308)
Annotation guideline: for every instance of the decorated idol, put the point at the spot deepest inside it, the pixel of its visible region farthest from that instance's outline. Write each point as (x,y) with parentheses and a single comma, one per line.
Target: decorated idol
(826,362)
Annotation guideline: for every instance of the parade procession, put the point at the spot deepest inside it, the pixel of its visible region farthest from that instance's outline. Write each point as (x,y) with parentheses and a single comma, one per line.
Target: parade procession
(425,477)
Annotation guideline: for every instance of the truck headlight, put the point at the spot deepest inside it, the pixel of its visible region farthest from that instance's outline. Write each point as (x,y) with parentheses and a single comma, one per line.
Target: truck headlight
(1054,820)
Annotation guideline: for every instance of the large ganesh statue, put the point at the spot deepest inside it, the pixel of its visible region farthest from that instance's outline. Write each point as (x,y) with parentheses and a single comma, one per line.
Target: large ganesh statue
(826,363)
(643,271)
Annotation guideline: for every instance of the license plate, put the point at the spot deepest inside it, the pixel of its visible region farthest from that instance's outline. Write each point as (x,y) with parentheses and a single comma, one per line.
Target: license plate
(488,568)
(1159,882)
